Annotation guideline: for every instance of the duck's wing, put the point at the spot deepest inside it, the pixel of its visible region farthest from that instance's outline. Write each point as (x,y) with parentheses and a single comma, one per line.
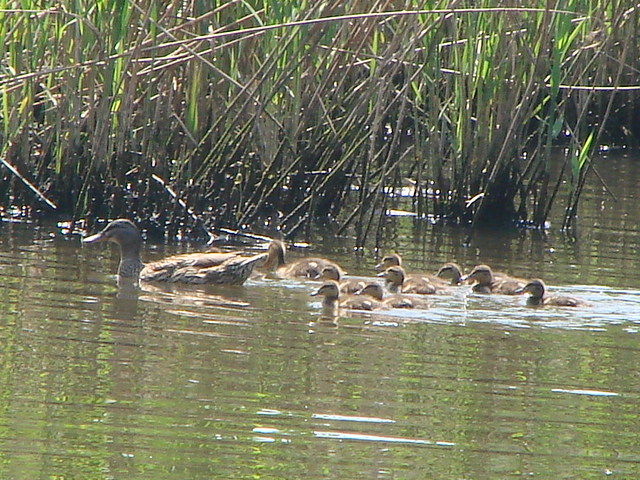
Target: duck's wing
(418,284)
(508,286)
(168,269)
(405,301)
(214,268)
(562,301)
(352,285)
(361,303)
(306,268)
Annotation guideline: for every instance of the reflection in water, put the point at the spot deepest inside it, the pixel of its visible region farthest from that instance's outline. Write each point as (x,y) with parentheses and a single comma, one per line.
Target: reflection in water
(123,381)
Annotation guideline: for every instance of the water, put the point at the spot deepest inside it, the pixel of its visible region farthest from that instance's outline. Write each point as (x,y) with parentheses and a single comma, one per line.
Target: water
(101,382)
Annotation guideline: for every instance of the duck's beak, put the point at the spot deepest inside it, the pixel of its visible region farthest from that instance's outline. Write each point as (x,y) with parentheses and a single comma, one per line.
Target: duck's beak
(98,237)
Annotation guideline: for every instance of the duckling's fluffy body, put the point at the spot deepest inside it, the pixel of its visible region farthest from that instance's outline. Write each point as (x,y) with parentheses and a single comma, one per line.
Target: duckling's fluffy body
(537,296)
(347,285)
(486,282)
(417,281)
(304,268)
(333,301)
(231,268)
(375,290)
(397,282)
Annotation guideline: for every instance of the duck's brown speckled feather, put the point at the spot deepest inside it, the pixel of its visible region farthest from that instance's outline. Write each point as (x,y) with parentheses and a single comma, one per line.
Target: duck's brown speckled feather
(211,268)
(231,268)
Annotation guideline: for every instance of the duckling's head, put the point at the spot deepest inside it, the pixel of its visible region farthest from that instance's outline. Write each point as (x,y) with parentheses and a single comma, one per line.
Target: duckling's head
(330,272)
(535,288)
(121,231)
(390,260)
(394,276)
(329,289)
(451,271)
(481,274)
(373,290)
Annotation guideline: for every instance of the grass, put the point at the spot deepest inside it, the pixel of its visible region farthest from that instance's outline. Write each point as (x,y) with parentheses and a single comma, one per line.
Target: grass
(245,113)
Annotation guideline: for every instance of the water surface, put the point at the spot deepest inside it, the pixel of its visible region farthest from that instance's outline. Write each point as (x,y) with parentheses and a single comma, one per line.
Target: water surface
(102,382)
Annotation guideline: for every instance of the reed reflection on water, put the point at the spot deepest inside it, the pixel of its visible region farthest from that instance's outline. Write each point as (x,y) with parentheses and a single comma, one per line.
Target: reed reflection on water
(101,381)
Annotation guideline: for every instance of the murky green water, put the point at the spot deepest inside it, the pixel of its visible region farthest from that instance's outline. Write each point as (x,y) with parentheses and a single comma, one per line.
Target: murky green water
(246,382)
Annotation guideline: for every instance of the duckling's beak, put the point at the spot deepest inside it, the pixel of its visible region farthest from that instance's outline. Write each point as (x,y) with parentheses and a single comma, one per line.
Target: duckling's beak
(317,292)
(379,267)
(313,273)
(381,274)
(464,278)
(519,290)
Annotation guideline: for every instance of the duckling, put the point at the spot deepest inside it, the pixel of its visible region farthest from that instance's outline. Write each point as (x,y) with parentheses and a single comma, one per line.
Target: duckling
(395,260)
(332,302)
(451,271)
(536,290)
(397,282)
(389,260)
(374,290)
(231,268)
(454,273)
(349,285)
(487,283)
(310,267)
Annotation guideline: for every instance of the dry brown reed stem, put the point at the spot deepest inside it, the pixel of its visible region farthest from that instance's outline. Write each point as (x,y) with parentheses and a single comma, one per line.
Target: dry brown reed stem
(255,113)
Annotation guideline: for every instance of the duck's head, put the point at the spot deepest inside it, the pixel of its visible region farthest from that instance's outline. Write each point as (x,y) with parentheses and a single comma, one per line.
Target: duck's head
(390,260)
(481,274)
(276,254)
(535,288)
(373,290)
(394,275)
(330,272)
(451,271)
(122,231)
(329,289)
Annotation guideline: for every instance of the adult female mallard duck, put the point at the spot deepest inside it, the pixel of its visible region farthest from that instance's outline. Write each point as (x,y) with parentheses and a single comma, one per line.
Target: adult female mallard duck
(537,296)
(397,282)
(375,291)
(347,285)
(487,283)
(230,268)
(333,301)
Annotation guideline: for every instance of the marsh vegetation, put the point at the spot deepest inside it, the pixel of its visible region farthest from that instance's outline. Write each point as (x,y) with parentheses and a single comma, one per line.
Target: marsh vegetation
(261,113)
